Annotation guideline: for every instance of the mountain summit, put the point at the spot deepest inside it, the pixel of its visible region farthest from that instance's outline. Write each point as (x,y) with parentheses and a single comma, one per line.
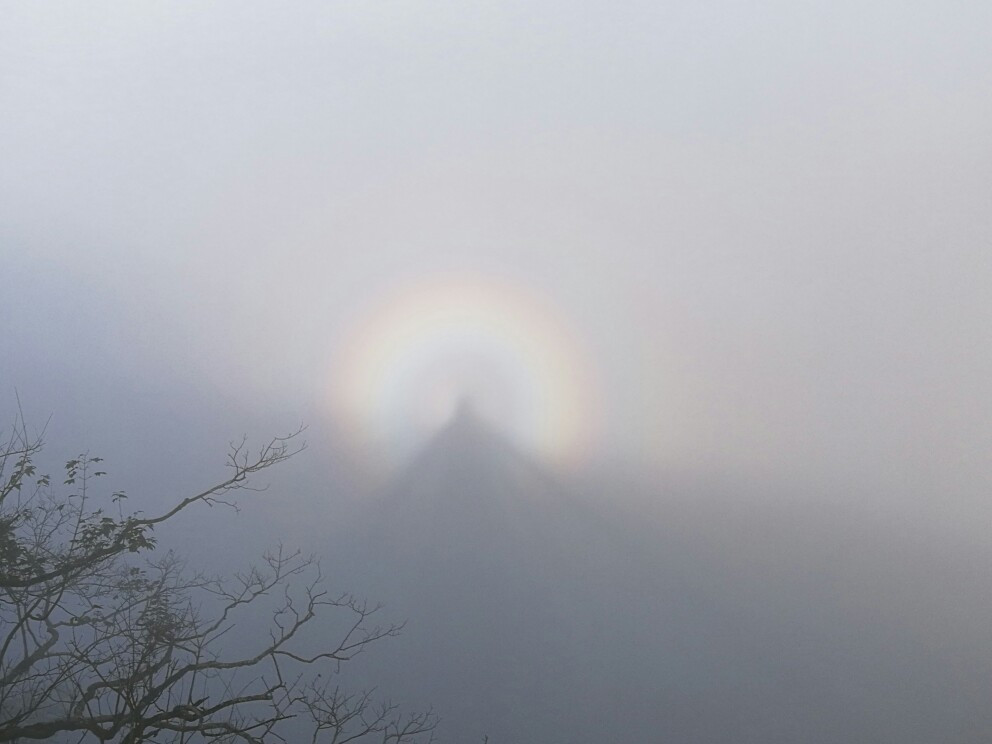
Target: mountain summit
(477,546)
(469,458)
(470,488)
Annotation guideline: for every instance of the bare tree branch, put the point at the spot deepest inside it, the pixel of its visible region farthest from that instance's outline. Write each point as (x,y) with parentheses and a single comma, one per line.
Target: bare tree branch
(105,638)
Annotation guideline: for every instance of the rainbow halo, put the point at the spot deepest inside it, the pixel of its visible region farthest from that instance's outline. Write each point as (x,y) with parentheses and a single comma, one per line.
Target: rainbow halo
(407,366)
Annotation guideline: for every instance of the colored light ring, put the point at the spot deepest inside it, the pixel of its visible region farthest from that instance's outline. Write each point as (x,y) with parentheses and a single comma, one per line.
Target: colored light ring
(407,365)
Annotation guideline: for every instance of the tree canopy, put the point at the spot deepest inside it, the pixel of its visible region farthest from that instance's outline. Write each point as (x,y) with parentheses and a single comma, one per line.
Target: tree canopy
(107,636)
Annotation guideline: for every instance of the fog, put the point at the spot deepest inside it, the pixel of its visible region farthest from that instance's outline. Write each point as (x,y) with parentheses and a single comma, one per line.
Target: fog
(718,271)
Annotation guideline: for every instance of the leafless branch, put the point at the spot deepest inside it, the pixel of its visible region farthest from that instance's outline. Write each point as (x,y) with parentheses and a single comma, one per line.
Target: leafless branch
(104,638)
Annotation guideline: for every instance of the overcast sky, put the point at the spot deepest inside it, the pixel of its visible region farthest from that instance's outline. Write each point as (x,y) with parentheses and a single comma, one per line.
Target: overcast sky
(767,223)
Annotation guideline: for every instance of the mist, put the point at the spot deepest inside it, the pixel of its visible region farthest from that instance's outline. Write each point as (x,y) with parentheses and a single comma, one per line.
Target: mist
(713,277)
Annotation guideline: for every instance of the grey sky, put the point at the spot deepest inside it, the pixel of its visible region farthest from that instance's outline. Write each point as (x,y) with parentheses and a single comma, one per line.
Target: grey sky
(768,222)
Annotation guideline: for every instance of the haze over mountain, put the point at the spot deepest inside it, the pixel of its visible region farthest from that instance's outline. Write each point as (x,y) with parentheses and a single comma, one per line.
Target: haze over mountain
(542,611)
